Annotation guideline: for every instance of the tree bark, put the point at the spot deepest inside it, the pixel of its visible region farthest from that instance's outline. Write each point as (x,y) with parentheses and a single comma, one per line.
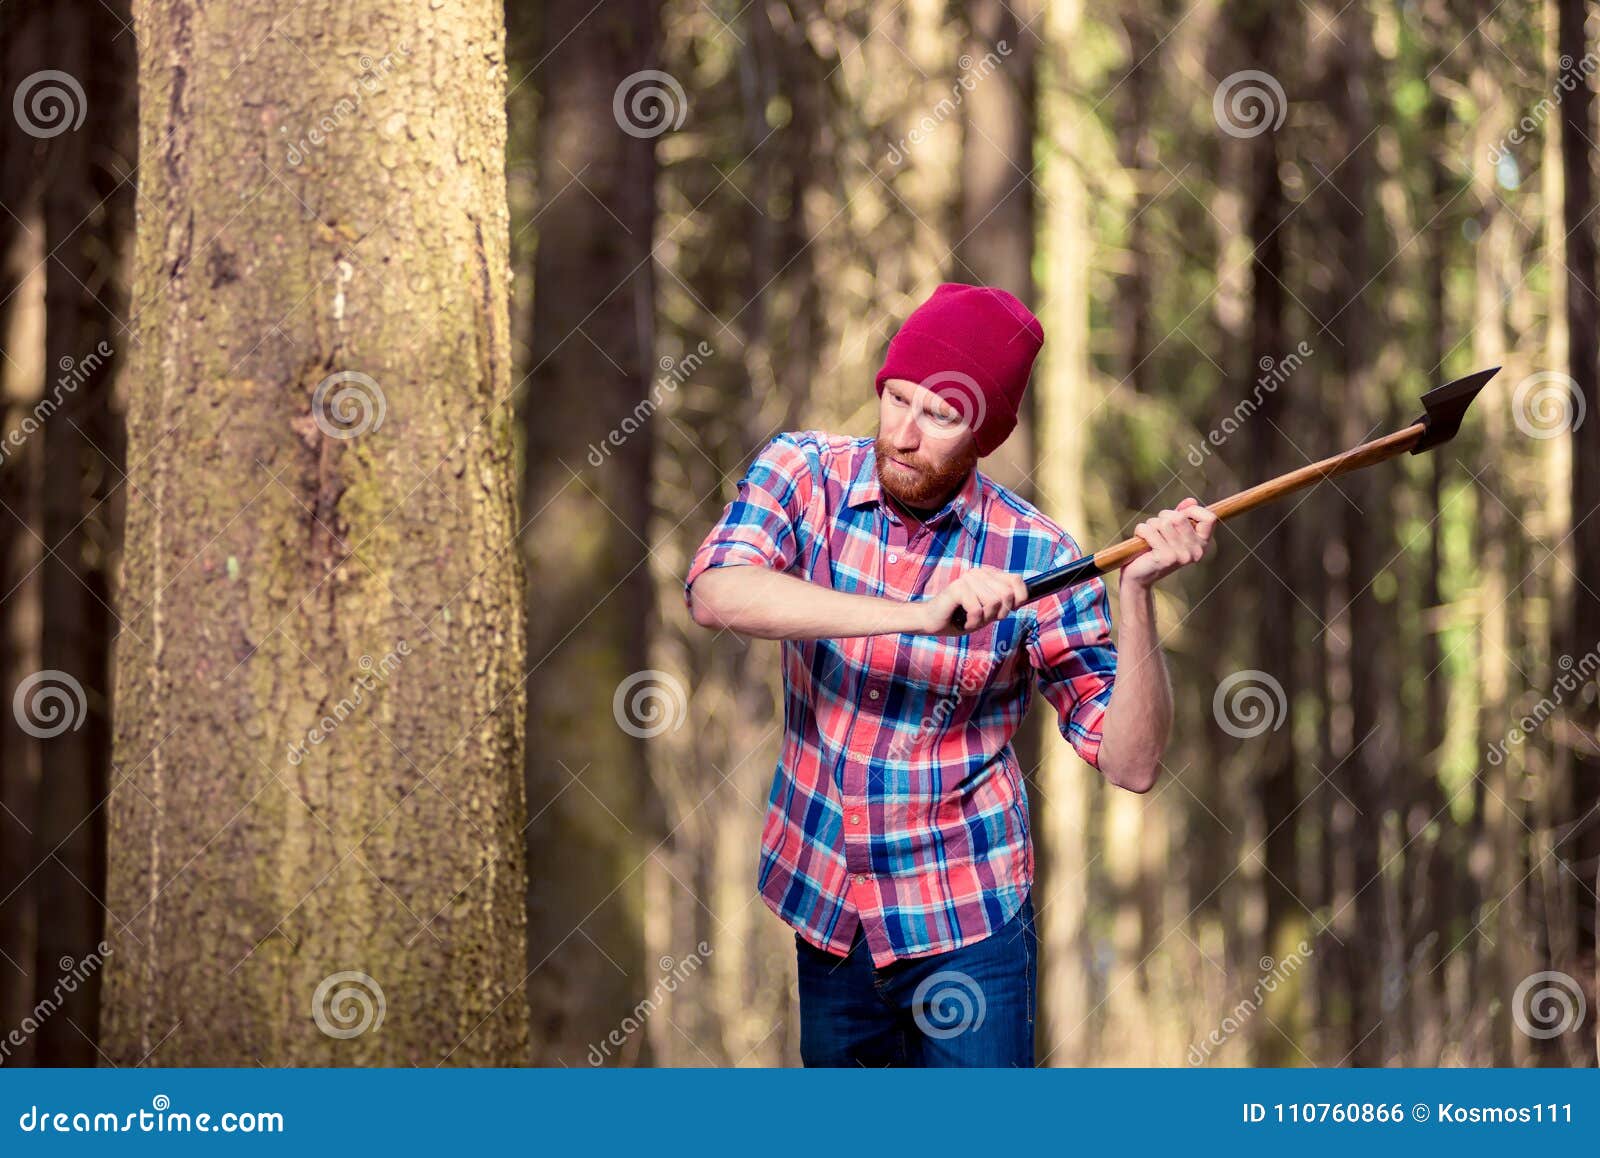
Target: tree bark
(317,809)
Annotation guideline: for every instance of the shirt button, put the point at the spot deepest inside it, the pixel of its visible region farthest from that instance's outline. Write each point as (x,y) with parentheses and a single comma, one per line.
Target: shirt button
(873,693)
(861,878)
(855,818)
(893,558)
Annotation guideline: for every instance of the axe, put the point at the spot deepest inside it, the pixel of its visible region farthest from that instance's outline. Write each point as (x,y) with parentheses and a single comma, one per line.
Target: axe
(1442,410)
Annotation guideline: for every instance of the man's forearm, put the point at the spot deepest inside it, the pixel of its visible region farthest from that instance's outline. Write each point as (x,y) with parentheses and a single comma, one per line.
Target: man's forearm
(1138,720)
(758,601)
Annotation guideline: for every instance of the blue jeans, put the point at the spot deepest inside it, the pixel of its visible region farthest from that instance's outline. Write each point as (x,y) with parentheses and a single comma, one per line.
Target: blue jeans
(972,1006)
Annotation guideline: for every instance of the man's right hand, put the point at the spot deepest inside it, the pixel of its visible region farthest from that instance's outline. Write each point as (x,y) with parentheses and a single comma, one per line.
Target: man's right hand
(987,594)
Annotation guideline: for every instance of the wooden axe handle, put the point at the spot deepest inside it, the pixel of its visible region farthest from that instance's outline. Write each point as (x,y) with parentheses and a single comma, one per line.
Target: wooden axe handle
(1080,570)
(1366,454)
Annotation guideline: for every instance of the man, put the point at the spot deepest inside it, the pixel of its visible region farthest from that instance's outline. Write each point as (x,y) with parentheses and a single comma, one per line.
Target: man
(896,839)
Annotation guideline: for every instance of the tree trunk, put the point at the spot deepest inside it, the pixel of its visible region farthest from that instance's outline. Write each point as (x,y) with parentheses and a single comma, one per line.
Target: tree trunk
(316,821)
(85,216)
(21,354)
(1132,300)
(996,235)
(1267,375)
(995,232)
(1580,848)
(588,417)
(1496,858)
(1367,529)
(1061,811)
(1436,847)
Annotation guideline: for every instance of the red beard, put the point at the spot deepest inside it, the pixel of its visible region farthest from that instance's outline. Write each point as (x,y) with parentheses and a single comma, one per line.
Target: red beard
(926,487)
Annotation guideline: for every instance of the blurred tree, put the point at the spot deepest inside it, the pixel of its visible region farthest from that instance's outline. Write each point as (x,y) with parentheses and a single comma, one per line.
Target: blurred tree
(587,426)
(86,218)
(1496,934)
(22,351)
(996,235)
(1061,810)
(1579,835)
(1266,367)
(1361,681)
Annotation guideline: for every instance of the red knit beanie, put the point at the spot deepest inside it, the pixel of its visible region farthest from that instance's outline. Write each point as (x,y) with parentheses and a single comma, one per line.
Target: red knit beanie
(973,345)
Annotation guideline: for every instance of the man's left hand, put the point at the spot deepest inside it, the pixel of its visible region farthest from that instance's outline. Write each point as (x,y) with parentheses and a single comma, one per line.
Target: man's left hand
(1177,537)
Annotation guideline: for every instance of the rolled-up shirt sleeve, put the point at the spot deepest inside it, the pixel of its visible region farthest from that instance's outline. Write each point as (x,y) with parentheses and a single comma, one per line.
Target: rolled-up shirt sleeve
(1075,660)
(763,524)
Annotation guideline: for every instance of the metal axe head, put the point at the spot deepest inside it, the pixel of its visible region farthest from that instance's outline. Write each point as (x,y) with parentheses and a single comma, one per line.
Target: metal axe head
(1444,406)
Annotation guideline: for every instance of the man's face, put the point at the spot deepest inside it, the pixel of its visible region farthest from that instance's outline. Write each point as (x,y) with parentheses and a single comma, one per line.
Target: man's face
(925,447)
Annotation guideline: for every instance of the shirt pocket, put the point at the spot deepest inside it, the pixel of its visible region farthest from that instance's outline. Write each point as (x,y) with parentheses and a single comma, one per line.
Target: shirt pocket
(967,665)
(931,664)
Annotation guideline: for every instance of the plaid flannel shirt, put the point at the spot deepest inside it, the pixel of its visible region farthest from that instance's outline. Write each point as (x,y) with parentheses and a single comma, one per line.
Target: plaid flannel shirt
(898,801)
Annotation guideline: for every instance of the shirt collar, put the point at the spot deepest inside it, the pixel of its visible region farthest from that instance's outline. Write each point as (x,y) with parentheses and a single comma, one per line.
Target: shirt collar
(865,489)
